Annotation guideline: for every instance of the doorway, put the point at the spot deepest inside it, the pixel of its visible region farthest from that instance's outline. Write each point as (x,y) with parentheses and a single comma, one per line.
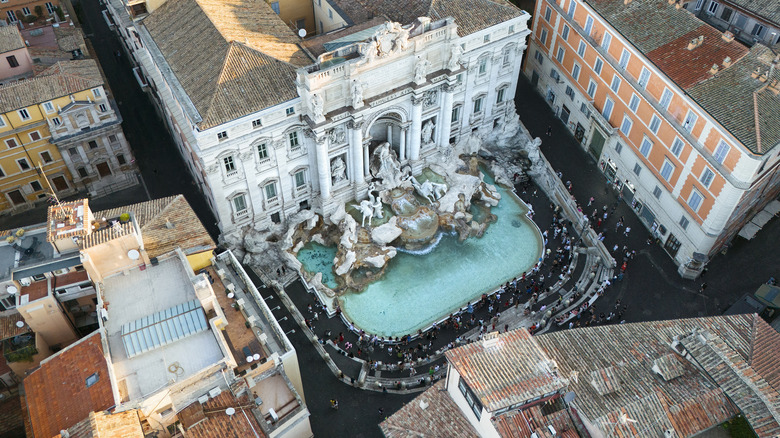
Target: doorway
(596,143)
(534,78)
(579,133)
(565,114)
(103,169)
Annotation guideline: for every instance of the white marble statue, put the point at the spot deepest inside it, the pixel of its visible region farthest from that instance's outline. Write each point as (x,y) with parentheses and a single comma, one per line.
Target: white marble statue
(316,106)
(368,51)
(357,94)
(532,147)
(338,170)
(427,132)
(421,69)
(367,210)
(455,53)
(376,203)
(429,190)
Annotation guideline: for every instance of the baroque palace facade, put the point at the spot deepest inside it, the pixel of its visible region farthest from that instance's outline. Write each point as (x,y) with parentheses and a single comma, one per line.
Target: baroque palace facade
(270,124)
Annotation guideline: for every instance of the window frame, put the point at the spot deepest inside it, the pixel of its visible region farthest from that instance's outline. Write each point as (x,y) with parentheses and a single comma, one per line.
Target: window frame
(270,187)
(606,41)
(233,203)
(289,111)
(478,107)
(678,144)
(560,55)
(633,103)
(684,222)
(712,7)
(548,14)
(19,162)
(616,83)
(721,151)
(706,177)
(644,77)
(543,37)
(625,58)
(581,49)
(302,184)
(655,124)
(24,114)
(592,84)
(646,147)
(608,113)
(565,32)
(293,140)
(43,159)
(598,65)
(261,149)
(626,130)
(575,71)
(229,164)
(667,95)
(698,201)
(667,167)
(588,25)
(222,136)
(693,117)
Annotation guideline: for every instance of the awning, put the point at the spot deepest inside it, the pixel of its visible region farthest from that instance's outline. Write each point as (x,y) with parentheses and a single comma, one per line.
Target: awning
(749,230)
(761,218)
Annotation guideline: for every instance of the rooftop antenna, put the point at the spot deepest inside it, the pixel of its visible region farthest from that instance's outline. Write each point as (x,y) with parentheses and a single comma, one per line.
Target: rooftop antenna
(61,213)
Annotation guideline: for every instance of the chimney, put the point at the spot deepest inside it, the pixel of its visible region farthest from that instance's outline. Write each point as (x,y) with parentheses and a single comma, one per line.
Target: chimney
(678,6)
(774,87)
(727,62)
(625,2)
(727,36)
(671,2)
(490,340)
(695,42)
(168,224)
(714,69)
(755,73)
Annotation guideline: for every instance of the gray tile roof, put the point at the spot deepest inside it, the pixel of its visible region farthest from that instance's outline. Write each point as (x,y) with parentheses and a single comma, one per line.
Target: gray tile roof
(509,369)
(626,354)
(737,100)
(10,39)
(232,58)
(490,12)
(61,79)
(768,9)
(431,414)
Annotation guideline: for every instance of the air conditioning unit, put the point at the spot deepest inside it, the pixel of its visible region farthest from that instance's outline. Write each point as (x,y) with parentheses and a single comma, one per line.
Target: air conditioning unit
(26,281)
(274,416)
(62,271)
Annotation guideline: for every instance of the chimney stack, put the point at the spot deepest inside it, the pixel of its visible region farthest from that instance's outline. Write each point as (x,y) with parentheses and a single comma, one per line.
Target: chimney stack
(727,62)
(714,69)
(727,36)
(695,42)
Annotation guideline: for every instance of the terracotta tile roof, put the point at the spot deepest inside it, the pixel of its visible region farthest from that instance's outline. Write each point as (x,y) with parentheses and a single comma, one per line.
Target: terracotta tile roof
(688,403)
(668,367)
(232,57)
(57,394)
(510,368)
(737,100)
(62,79)
(10,39)
(68,219)
(106,425)
(69,38)
(765,352)
(8,328)
(523,423)
(491,12)
(689,67)
(217,424)
(757,400)
(440,417)
(187,232)
(766,9)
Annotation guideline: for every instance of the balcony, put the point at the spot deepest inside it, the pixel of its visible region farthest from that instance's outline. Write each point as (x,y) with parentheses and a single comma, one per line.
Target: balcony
(20,348)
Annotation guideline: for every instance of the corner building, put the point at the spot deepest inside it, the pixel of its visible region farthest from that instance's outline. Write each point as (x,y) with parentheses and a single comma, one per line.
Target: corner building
(682,118)
(270,124)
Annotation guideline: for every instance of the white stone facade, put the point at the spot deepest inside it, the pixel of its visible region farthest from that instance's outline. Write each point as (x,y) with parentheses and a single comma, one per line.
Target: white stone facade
(262,167)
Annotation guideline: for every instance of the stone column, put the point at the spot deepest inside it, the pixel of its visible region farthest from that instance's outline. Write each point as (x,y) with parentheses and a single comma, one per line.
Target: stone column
(323,166)
(356,144)
(414,152)
(445,119)
(366,157)
(402,143)
(390,134)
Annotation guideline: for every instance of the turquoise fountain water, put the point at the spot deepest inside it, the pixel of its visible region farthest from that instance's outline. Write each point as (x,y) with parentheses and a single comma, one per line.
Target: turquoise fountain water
(421,287)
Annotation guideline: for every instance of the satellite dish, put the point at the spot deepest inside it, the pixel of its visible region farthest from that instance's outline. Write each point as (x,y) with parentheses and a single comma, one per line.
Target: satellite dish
(133,254)
(230,411)
(20,324)
(302,33)
(11,289)
(569,397)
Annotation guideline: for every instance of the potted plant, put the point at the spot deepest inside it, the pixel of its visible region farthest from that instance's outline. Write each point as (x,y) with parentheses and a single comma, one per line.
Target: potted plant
(20,232)
(124,217)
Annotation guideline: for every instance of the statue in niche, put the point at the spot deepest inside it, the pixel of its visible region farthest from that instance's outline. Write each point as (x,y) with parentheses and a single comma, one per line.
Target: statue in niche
(386,167)
(421,69)
(316,106)
(427,132)
(338,170)
(455,53)
(357,94)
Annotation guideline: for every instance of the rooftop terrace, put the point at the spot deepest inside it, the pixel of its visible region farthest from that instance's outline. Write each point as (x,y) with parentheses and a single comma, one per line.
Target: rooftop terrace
(143,293)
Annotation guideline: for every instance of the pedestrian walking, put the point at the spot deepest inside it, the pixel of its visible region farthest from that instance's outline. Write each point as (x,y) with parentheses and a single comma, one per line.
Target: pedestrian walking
(590,201)
(549,130)
(334,404)
(628,230)
(702,288)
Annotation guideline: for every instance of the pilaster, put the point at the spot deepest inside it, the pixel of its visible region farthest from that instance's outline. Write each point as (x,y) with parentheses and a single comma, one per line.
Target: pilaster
(414,153)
